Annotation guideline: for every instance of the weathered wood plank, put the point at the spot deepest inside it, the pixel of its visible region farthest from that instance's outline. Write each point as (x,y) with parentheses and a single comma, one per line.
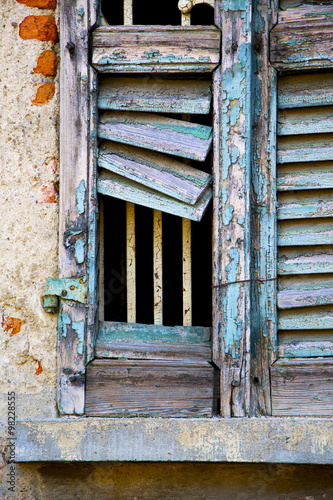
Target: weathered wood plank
(312,175)
(157,267)
(155,95)
(313,260)
(187,272)
(114,185)
(304,12)
(305,121)
(130,262)
(175,49)
(154,170)
(305,90)
(318,318)
(305,148)
(304,348)
(301,44)
(287,299)
(305,233)
(305,205)
(149,388)
(302,388)
(157,133)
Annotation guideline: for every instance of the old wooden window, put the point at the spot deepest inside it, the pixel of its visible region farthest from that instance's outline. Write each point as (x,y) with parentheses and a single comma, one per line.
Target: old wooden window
(271,282)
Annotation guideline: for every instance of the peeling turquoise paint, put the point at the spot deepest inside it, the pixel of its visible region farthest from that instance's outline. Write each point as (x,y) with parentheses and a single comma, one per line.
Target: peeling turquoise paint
(228,211)
(234,112)
(63,321)
(79,251)
(80,194)
(235,154)
(80,12)
(78,326)
(232,330)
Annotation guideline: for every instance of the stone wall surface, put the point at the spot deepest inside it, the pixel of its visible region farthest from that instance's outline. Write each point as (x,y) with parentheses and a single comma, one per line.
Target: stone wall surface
(29,140)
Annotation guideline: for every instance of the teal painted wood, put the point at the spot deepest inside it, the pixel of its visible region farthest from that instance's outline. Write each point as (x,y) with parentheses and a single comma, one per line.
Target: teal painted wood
(155,95)
(111,184)
(157,133)
(305,176)
(316,349)
(111,331)
(297,10)
(288,299)
(305,121)
(315,260)
(307,233)
(68,288)
(305,90)
(304,206)
(155,171)
(319,318)
(158,49)
(308,148)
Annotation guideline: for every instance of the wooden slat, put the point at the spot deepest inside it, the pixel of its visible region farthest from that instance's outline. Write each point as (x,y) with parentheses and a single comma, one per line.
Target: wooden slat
(157,267)
(287,299)
(175,49)
(305,344)
(116,186)
(302,388)
(305,11)
(149,388)
(155,95)
(298,121)
(305,205)
(308,260)
(302,44)
(295,176)
(130,263)
(128,12)
(305,233)
(305,90)
(157,133)
(187,272)
(154,170)
(305,148)
(318,318)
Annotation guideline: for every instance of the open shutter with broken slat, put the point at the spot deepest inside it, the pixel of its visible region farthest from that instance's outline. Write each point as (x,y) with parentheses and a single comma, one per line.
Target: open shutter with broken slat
(302,376)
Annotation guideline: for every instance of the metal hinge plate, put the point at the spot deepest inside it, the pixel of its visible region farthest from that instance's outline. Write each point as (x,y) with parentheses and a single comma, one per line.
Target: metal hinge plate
(66,288)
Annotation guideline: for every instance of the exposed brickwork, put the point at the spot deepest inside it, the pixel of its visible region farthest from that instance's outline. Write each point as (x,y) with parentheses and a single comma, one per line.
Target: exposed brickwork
(47,63)
(42,28)
(44,93)
(39,368)
(48,192)
(12,326)
(40,4)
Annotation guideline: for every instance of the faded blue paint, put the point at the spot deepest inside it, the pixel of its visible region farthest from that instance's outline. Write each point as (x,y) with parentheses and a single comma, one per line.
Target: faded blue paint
(79,326)
(228,211)
(234,112)
(80,12)
(79,251)
(232,330)
(80,194)
(235,154)
(63,321)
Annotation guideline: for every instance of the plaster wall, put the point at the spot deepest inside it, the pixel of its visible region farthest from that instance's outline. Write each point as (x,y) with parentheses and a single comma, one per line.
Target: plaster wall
(29,140)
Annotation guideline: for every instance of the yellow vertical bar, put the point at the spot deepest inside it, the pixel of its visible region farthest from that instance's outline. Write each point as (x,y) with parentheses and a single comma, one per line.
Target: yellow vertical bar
(128,12)
(101,261)
(157,269)
(130,262)
(187,273)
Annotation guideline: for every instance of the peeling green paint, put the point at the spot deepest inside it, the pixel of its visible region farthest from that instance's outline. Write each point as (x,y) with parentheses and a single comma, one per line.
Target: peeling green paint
(79,327)
(80,194)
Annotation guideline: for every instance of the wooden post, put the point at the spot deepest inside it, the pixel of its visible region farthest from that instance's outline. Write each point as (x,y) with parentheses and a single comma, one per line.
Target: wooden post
(130,263)
(157,269)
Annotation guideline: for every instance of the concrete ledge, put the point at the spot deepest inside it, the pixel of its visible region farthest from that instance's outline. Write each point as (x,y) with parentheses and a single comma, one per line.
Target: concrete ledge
(275,440)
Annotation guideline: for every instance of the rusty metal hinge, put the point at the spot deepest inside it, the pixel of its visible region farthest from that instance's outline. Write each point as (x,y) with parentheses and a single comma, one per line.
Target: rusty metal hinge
(66,288)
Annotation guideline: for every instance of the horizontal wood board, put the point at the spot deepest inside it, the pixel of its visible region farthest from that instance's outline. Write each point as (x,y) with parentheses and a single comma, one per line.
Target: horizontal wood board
(159,172)
(157,133)
(305,260)
(314,120)
(290,12)
(155,95)
(114,185)
(301,176)
(174,49)
(310,89)
(305,205)
(303,148)
(149,388)
(302,388)
(306,318)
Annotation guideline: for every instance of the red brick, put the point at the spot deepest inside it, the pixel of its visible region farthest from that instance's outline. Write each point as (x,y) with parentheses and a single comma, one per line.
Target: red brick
(40,4)
(12,326)
(39,368)
(47,63)
(42,28)
(44,94)
(48,192)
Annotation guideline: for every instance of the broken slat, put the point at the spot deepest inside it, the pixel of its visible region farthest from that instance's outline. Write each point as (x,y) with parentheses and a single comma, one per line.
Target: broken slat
(116,186)
(305,148)
(305,233)
(305,176)
(155,95)
(305,121)
(174,49)
(305,205)
(302,388)
(301,45)
(154,170)
(317,318)
(305,90)
(287,299)
(314,260)
(158,133)
(149,388)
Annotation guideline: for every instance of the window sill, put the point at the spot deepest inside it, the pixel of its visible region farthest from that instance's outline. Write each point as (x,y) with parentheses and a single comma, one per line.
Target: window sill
(274,440)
